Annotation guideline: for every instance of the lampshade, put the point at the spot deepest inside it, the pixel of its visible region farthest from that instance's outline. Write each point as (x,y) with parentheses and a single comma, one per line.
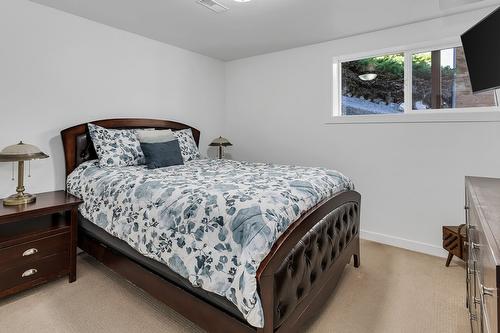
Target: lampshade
(220,141)
(21,152)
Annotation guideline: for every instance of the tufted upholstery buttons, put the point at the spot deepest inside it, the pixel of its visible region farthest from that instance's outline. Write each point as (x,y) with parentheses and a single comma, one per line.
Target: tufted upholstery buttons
(300,292)
(312,278)
(309,253)
(334,253)
(313,255)
(290,266)
(330,231)
(278,310)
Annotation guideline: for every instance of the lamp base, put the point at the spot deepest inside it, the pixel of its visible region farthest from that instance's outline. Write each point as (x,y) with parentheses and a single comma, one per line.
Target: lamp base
(19,199)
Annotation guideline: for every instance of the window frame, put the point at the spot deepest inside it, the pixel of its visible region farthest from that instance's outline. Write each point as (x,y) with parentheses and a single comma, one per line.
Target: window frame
(472,114)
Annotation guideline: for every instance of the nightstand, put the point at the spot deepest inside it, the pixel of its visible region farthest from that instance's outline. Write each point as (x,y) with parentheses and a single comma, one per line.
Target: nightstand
(38,241)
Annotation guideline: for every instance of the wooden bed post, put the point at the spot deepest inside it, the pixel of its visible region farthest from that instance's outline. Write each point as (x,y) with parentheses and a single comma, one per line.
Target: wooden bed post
(357,254)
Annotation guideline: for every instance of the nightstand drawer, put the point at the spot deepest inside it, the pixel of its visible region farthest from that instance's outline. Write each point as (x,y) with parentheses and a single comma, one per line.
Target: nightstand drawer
(32,251)
(38,241)
(35,272)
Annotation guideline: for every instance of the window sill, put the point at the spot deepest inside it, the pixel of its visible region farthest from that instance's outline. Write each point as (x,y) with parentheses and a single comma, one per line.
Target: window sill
(421,117)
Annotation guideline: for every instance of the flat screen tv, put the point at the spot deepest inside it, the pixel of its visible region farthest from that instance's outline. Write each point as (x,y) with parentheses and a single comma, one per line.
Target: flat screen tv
(482,50)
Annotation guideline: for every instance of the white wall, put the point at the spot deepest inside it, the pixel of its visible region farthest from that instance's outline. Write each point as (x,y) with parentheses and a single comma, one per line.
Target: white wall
(410,175)
(59,70)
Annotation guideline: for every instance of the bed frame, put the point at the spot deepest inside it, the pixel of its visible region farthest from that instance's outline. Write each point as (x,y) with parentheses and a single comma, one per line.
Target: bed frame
(294,280)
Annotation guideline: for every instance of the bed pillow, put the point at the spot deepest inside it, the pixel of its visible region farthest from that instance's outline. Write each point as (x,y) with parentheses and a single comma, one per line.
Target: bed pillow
(188,146)
(116,148)
(155,136)
(162,154)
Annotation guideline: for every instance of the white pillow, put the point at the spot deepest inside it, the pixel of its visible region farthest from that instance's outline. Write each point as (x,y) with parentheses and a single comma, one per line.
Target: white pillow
(155,136)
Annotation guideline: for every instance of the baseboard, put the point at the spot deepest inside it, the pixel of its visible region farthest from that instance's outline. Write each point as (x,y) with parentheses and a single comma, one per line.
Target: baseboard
(411,245)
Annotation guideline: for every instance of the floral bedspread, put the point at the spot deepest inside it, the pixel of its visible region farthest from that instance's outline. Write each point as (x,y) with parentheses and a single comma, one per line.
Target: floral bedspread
(211,221)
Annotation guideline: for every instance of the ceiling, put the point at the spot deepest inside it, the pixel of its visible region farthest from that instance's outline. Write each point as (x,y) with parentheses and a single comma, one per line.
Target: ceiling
(258,26)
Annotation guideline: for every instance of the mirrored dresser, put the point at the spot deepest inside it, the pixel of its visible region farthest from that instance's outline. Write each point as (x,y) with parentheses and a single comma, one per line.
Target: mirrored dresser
(482,214)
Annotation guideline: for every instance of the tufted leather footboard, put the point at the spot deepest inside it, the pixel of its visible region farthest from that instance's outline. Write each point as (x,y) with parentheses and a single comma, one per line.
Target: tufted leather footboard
(311,257)
(306,273)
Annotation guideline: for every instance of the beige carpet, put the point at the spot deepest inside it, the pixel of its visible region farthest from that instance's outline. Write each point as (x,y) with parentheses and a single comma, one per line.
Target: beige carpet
(394,291)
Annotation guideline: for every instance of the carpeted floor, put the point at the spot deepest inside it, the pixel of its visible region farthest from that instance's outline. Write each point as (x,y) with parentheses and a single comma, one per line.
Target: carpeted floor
(394,291)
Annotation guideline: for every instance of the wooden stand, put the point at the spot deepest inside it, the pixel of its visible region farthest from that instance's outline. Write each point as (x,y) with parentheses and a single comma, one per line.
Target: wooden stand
(454,238)
(38,242)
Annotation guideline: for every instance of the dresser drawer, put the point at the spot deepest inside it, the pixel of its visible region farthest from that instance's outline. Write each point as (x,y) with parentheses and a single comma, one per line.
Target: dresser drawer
(32,251)
(482,259)
(35,272)
(473,301)
(487,284)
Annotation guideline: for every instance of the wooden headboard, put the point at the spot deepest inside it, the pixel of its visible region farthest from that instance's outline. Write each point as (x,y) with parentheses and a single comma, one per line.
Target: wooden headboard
(78,146)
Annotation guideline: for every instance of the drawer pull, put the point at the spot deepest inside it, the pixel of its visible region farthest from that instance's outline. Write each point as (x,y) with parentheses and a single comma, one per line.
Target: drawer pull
(475,246)
(29,272)
(30,252)
(487,291)
(471,271)
(477,300)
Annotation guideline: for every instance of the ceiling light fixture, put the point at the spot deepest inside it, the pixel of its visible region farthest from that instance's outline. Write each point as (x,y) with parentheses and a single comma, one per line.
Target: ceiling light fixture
(213,5)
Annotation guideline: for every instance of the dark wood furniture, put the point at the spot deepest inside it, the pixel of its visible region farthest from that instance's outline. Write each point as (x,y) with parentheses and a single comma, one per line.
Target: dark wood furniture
(38,241)
(482,207)
(454,241)
(294,280)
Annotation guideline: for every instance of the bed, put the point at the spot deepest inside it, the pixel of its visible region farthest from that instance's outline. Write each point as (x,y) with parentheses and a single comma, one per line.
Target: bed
(304,258)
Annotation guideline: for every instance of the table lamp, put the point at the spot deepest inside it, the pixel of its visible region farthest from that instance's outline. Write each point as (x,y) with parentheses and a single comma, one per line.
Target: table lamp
(20,153)
(221,143)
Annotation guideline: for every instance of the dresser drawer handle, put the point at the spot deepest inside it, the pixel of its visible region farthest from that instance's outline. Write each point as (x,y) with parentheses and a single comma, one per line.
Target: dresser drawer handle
(30,252)
(487,291)
(475,246)
(471,271)
(29,272)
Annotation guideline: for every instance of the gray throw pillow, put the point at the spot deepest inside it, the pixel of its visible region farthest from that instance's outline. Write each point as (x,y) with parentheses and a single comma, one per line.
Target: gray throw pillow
(162,154)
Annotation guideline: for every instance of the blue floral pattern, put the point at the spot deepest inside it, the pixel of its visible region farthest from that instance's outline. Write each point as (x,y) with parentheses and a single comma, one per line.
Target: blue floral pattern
(189,149)
(116,148)
(211,221)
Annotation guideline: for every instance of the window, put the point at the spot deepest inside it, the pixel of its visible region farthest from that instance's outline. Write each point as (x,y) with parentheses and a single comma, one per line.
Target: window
(440,80)
(406,82)
(373,85)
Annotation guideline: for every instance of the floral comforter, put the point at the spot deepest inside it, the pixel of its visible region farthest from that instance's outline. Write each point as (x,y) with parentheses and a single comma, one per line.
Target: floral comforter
(211,221)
